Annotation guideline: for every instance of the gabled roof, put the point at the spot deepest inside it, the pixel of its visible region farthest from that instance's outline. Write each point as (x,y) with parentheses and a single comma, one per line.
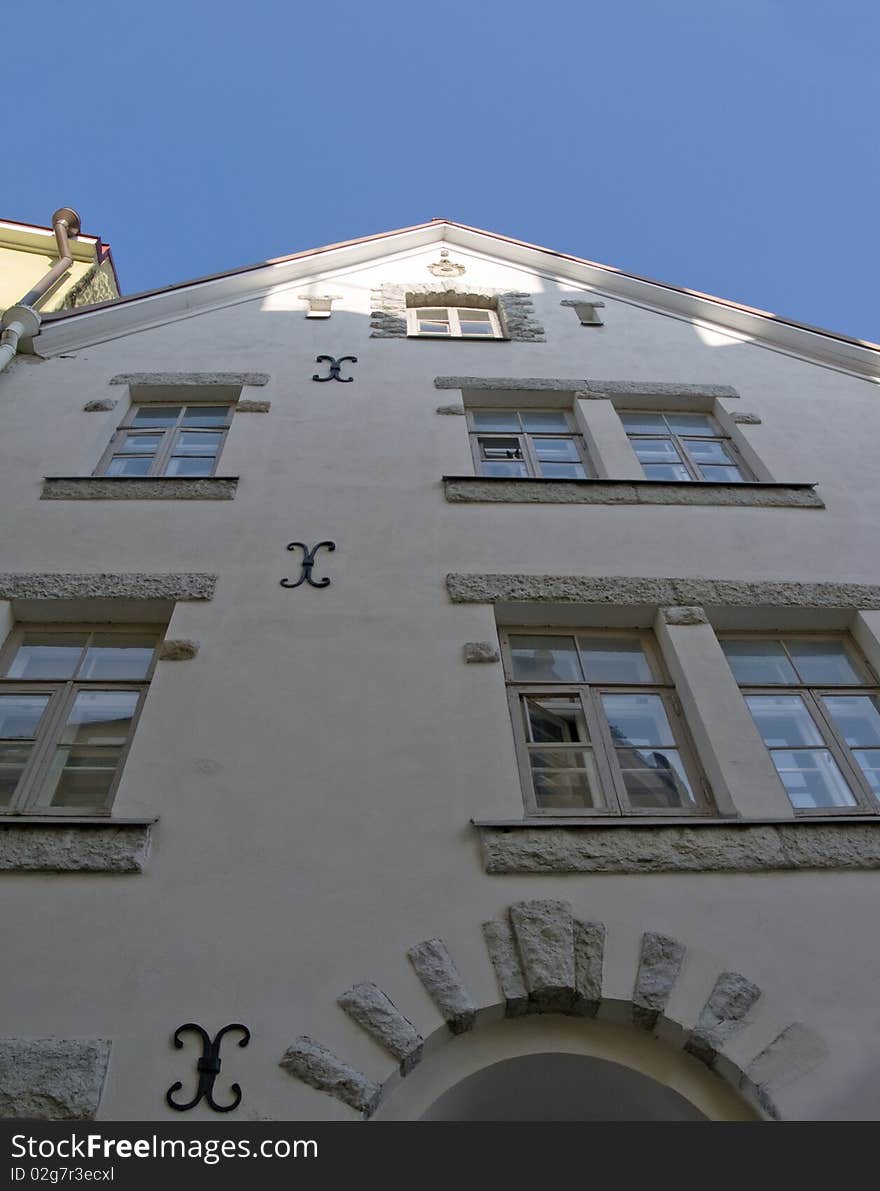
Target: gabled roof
(107,320)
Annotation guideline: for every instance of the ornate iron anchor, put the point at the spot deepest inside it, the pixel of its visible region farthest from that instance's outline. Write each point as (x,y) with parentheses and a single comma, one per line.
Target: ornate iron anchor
(307,563)
(208,1067)
(335,366)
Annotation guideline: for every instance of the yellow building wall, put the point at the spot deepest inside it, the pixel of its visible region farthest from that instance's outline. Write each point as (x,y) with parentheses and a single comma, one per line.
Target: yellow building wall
(27,254)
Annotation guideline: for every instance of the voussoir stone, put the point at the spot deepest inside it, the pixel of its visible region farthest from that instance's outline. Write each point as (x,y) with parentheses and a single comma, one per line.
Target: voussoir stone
(439,976)
(589,959)
(376,1013)
(660,962)
(501,945)
(544,932)
(723,1014)
(52,1079)
(320,1068)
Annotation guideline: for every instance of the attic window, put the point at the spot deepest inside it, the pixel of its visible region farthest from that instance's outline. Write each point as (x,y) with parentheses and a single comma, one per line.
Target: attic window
(453,322)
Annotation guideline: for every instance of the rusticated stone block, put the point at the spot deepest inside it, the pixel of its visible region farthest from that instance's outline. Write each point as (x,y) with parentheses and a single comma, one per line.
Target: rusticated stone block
(544,934)
(659,965)
(480,651)
(440,978)
(723,1014)
(177,651)
(376,1013)
(589,959)
(52,1079)
(320,1068)
(501,945)
(102,847)
(101,405)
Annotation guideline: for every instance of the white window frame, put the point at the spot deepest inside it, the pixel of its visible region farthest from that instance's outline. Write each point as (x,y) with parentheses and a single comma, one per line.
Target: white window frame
(612,791)
(168,436)
(525,451)
(30,793)
(414,312)
(866,800)
(680,442)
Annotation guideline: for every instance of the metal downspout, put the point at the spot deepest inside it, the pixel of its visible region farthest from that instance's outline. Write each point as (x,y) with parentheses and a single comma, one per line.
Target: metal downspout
(22,320)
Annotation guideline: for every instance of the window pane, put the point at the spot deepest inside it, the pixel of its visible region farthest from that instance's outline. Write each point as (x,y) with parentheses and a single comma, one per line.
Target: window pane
(206,415)
(639,423)
(568,788)
(637,721)
(563,471)
(722,475)
(129,465)
(190,466)
(666,471)
(812,779)
(115,657)
(544,659)
(656,450)
(47,655)
(614,659)
(654,778)
(474,326)
(783,720)
(13,759)
(503,469)
(486,419)
(556,450)
(823,663)
(156,415)
(758,662)
(140,444)
(197,442)
(20,715)
(100,717)
(555,719)
(472,314)
(709,451)
(691,424)
(547,421)
(500,448)
(869,760)
(433,328)
(857,719)
(437,313)
(81,777)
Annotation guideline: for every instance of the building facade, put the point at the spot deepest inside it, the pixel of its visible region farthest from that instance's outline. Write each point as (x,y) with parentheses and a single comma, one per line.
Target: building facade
(28,251)
(455,665)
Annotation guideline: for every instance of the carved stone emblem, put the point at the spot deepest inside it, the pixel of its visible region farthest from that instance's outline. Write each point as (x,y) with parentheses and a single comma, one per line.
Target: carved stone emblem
(445,267)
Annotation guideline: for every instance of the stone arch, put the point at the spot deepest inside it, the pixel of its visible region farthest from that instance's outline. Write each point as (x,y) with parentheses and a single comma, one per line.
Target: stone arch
(548,962)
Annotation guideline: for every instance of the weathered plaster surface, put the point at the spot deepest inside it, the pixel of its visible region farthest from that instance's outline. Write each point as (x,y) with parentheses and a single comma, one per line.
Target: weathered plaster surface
(52,1079)
(503,490)
(139,488)
(64,848)
(37,586)
(721,848)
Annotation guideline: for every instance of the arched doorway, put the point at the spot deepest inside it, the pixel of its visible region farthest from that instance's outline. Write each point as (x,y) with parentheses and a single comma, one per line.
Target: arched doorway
(560,1087)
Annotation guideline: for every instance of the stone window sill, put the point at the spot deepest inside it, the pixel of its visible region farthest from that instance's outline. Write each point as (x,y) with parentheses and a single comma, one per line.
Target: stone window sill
(139,487)
(70,844)
(533,490)
(625,846)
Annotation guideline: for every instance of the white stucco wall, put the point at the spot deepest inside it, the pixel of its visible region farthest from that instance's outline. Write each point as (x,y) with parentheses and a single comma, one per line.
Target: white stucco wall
(315,768)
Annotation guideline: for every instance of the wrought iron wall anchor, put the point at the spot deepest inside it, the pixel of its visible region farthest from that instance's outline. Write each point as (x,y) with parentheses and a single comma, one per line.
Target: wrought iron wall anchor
(335,366)
(208,1067)
(307,563)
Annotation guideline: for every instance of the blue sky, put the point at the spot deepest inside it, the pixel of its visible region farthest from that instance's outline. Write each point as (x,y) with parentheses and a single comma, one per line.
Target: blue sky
(726,145)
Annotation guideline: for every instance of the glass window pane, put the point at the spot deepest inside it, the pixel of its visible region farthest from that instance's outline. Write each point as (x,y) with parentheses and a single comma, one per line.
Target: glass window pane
(429,328)
(556,450)
(654,778)
(783,720)
(13,759)
(81,777)
(117,657)
(156,415)
(500,448)
(20,715)
(555,719)
(563,471)
(47,655)
(436,313)
(544,659)
(757,661)
(667,471)
(100,717)
(722,475)
(637,721)
(567,788)
(614,659)
(190,465)
(823,662)
(503,469)
(857,719)
(869,760)
(130,465)
(548,421)
(488,419)
(206,415)
(812,779)
(639,423)
(656,450)
(140,444)
(709,451)
(691,424)
(197,442)
(473,314)
(474,326)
